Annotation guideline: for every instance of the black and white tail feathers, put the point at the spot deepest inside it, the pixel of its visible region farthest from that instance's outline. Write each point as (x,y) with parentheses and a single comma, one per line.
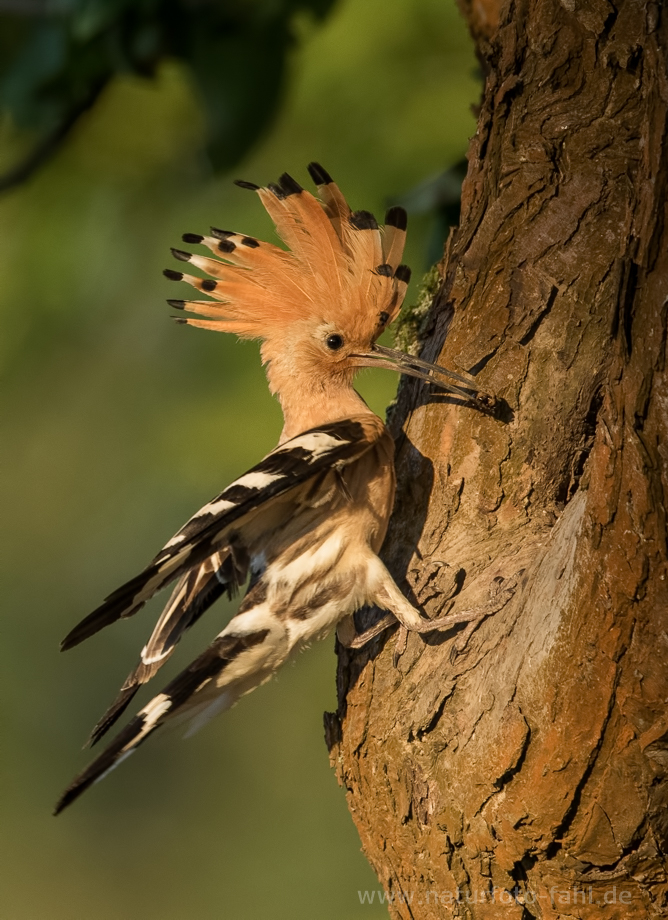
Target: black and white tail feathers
(192,596)
(211,555)
(223,652)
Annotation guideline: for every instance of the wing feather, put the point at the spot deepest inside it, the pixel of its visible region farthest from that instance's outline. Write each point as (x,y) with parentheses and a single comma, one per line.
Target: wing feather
(285,470)
(192,596)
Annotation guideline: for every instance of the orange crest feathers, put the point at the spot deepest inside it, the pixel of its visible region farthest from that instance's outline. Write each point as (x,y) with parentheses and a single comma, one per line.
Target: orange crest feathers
(340,267)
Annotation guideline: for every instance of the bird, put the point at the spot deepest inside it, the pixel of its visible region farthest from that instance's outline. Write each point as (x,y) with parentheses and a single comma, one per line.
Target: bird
(303,527)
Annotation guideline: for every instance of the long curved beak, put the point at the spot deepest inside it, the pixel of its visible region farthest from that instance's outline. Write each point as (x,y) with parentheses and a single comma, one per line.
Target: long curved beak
(390,358)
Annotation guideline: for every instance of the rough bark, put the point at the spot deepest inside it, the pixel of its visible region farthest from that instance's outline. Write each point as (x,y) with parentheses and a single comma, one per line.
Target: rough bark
(516,767)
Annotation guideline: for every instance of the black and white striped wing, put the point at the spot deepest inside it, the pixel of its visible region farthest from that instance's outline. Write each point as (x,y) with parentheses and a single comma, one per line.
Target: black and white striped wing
(192,596)
(288,468)
(253,644)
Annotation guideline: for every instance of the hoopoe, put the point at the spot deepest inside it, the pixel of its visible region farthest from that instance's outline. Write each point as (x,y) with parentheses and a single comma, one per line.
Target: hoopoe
(306,524)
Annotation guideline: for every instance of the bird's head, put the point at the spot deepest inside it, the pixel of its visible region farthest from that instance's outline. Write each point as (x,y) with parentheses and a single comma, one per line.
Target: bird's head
(319,306)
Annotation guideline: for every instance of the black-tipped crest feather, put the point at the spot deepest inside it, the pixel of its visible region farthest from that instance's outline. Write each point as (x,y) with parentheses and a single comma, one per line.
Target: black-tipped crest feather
(363,220)
(319,175)
(397,217)
(289,185)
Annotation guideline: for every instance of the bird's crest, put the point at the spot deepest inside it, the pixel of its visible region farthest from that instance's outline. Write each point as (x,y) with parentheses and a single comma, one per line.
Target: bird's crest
(341,269)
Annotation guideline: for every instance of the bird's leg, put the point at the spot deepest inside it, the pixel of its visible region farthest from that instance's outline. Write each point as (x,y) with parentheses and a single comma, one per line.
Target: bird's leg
(348,636)
(388,596)
(499,595)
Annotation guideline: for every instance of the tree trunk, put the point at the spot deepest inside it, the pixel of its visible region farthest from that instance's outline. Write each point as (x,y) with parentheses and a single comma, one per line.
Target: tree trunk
(516,767)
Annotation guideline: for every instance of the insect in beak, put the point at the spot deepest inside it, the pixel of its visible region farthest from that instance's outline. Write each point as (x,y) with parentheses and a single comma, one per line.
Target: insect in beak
(390,358)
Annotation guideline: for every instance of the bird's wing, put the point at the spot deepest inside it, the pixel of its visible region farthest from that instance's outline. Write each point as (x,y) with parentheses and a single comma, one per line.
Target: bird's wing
(287,469)
(192,596)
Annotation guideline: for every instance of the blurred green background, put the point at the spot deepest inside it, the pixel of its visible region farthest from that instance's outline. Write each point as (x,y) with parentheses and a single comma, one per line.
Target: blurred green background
(117,424)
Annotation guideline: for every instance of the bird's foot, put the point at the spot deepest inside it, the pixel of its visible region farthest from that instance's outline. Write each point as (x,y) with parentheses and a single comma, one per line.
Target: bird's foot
(500,592)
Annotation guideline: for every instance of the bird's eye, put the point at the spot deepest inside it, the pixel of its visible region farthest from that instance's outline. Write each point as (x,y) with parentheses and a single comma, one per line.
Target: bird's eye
(334,341)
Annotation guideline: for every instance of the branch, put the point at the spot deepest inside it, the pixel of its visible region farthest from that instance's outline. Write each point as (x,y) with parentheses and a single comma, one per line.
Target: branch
(51,143)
